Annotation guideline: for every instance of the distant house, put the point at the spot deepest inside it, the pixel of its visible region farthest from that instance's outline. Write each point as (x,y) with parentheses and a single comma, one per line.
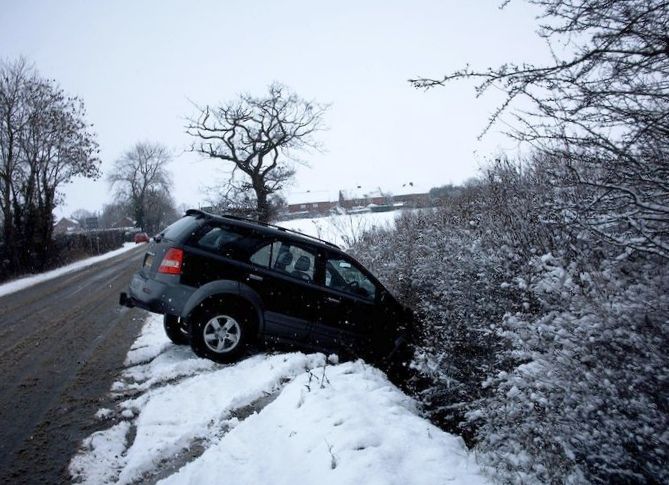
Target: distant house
(310,203)
(66,226)
(406,195)
(124,223)
(357,199)
(360,197)
(411,196)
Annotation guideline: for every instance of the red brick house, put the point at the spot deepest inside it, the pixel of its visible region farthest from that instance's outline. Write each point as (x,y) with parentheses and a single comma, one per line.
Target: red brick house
(310,203)
(409,195)
(359,198)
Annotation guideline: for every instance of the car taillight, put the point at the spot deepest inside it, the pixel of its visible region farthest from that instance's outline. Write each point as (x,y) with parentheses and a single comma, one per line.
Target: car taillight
(172,262)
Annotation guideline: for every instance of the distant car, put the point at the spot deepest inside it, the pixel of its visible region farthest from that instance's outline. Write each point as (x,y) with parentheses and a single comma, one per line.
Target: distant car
(222,282)
(141,237)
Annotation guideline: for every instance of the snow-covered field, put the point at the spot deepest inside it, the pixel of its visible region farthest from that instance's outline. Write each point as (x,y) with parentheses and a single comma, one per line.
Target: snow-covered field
(271,418)
(20,284)
(342,229)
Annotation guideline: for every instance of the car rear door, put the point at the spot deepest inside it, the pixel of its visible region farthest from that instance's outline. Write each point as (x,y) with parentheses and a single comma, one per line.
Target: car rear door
(216,251)
(283,272)
(265,264)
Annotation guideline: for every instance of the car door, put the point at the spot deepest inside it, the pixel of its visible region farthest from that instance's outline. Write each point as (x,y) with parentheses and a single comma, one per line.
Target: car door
(347,308)
(283,273)
(226,252)
(215,252)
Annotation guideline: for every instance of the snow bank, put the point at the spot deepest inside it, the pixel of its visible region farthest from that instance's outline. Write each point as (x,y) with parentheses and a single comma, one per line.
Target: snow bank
(20,284)
(348,425)
(279,418)
(100,464)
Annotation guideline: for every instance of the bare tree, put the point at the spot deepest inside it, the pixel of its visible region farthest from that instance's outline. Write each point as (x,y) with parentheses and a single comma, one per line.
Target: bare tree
(160,210)
(114,212)
(44,143)
(138,176)
(80,215)
(14,78)
(260,137)
(602,108)
(57,146)
(235,197)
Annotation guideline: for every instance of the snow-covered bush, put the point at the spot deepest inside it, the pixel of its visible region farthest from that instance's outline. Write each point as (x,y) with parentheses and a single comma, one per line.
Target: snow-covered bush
(456,285)
(456,266)
(545,346)
(588,402)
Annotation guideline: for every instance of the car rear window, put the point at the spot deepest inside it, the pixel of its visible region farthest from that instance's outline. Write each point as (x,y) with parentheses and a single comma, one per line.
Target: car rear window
(180,229)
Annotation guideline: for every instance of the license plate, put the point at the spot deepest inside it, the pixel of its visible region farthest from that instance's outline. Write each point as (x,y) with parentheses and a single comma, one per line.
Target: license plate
(148,259)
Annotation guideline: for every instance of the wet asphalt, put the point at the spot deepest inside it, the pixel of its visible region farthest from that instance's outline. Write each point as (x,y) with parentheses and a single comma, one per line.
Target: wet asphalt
(62,345)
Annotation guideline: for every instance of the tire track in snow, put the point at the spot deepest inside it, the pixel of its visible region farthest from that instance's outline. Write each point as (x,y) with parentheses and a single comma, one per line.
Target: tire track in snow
(197,447)
(166,427)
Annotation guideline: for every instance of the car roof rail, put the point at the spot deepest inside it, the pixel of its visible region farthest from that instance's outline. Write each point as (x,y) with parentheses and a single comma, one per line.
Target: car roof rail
(266,224)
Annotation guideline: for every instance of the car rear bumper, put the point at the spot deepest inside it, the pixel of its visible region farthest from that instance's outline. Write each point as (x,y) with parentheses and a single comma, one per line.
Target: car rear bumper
(164,297)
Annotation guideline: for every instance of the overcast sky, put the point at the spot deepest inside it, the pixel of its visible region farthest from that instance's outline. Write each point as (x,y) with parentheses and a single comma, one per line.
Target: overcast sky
(136,64)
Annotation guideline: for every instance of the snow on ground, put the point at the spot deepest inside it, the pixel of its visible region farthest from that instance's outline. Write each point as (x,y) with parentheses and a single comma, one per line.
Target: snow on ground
(342,229)
(20,284)
(271,418)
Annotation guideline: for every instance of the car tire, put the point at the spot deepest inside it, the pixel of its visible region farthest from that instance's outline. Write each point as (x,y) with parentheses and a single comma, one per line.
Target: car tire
(221,335)
(175,330)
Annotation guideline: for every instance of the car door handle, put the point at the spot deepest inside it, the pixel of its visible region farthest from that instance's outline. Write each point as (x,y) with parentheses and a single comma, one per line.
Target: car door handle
(333,300)
(255,277)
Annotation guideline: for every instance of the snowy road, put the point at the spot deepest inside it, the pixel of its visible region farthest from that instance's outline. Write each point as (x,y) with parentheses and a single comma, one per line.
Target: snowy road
(62,342)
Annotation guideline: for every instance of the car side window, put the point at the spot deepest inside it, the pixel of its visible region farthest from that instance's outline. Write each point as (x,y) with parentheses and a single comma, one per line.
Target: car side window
(343,276)
(262,256)
(286,258)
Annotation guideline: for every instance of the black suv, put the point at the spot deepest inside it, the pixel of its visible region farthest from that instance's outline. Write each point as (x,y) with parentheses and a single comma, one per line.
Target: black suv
(224,281)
